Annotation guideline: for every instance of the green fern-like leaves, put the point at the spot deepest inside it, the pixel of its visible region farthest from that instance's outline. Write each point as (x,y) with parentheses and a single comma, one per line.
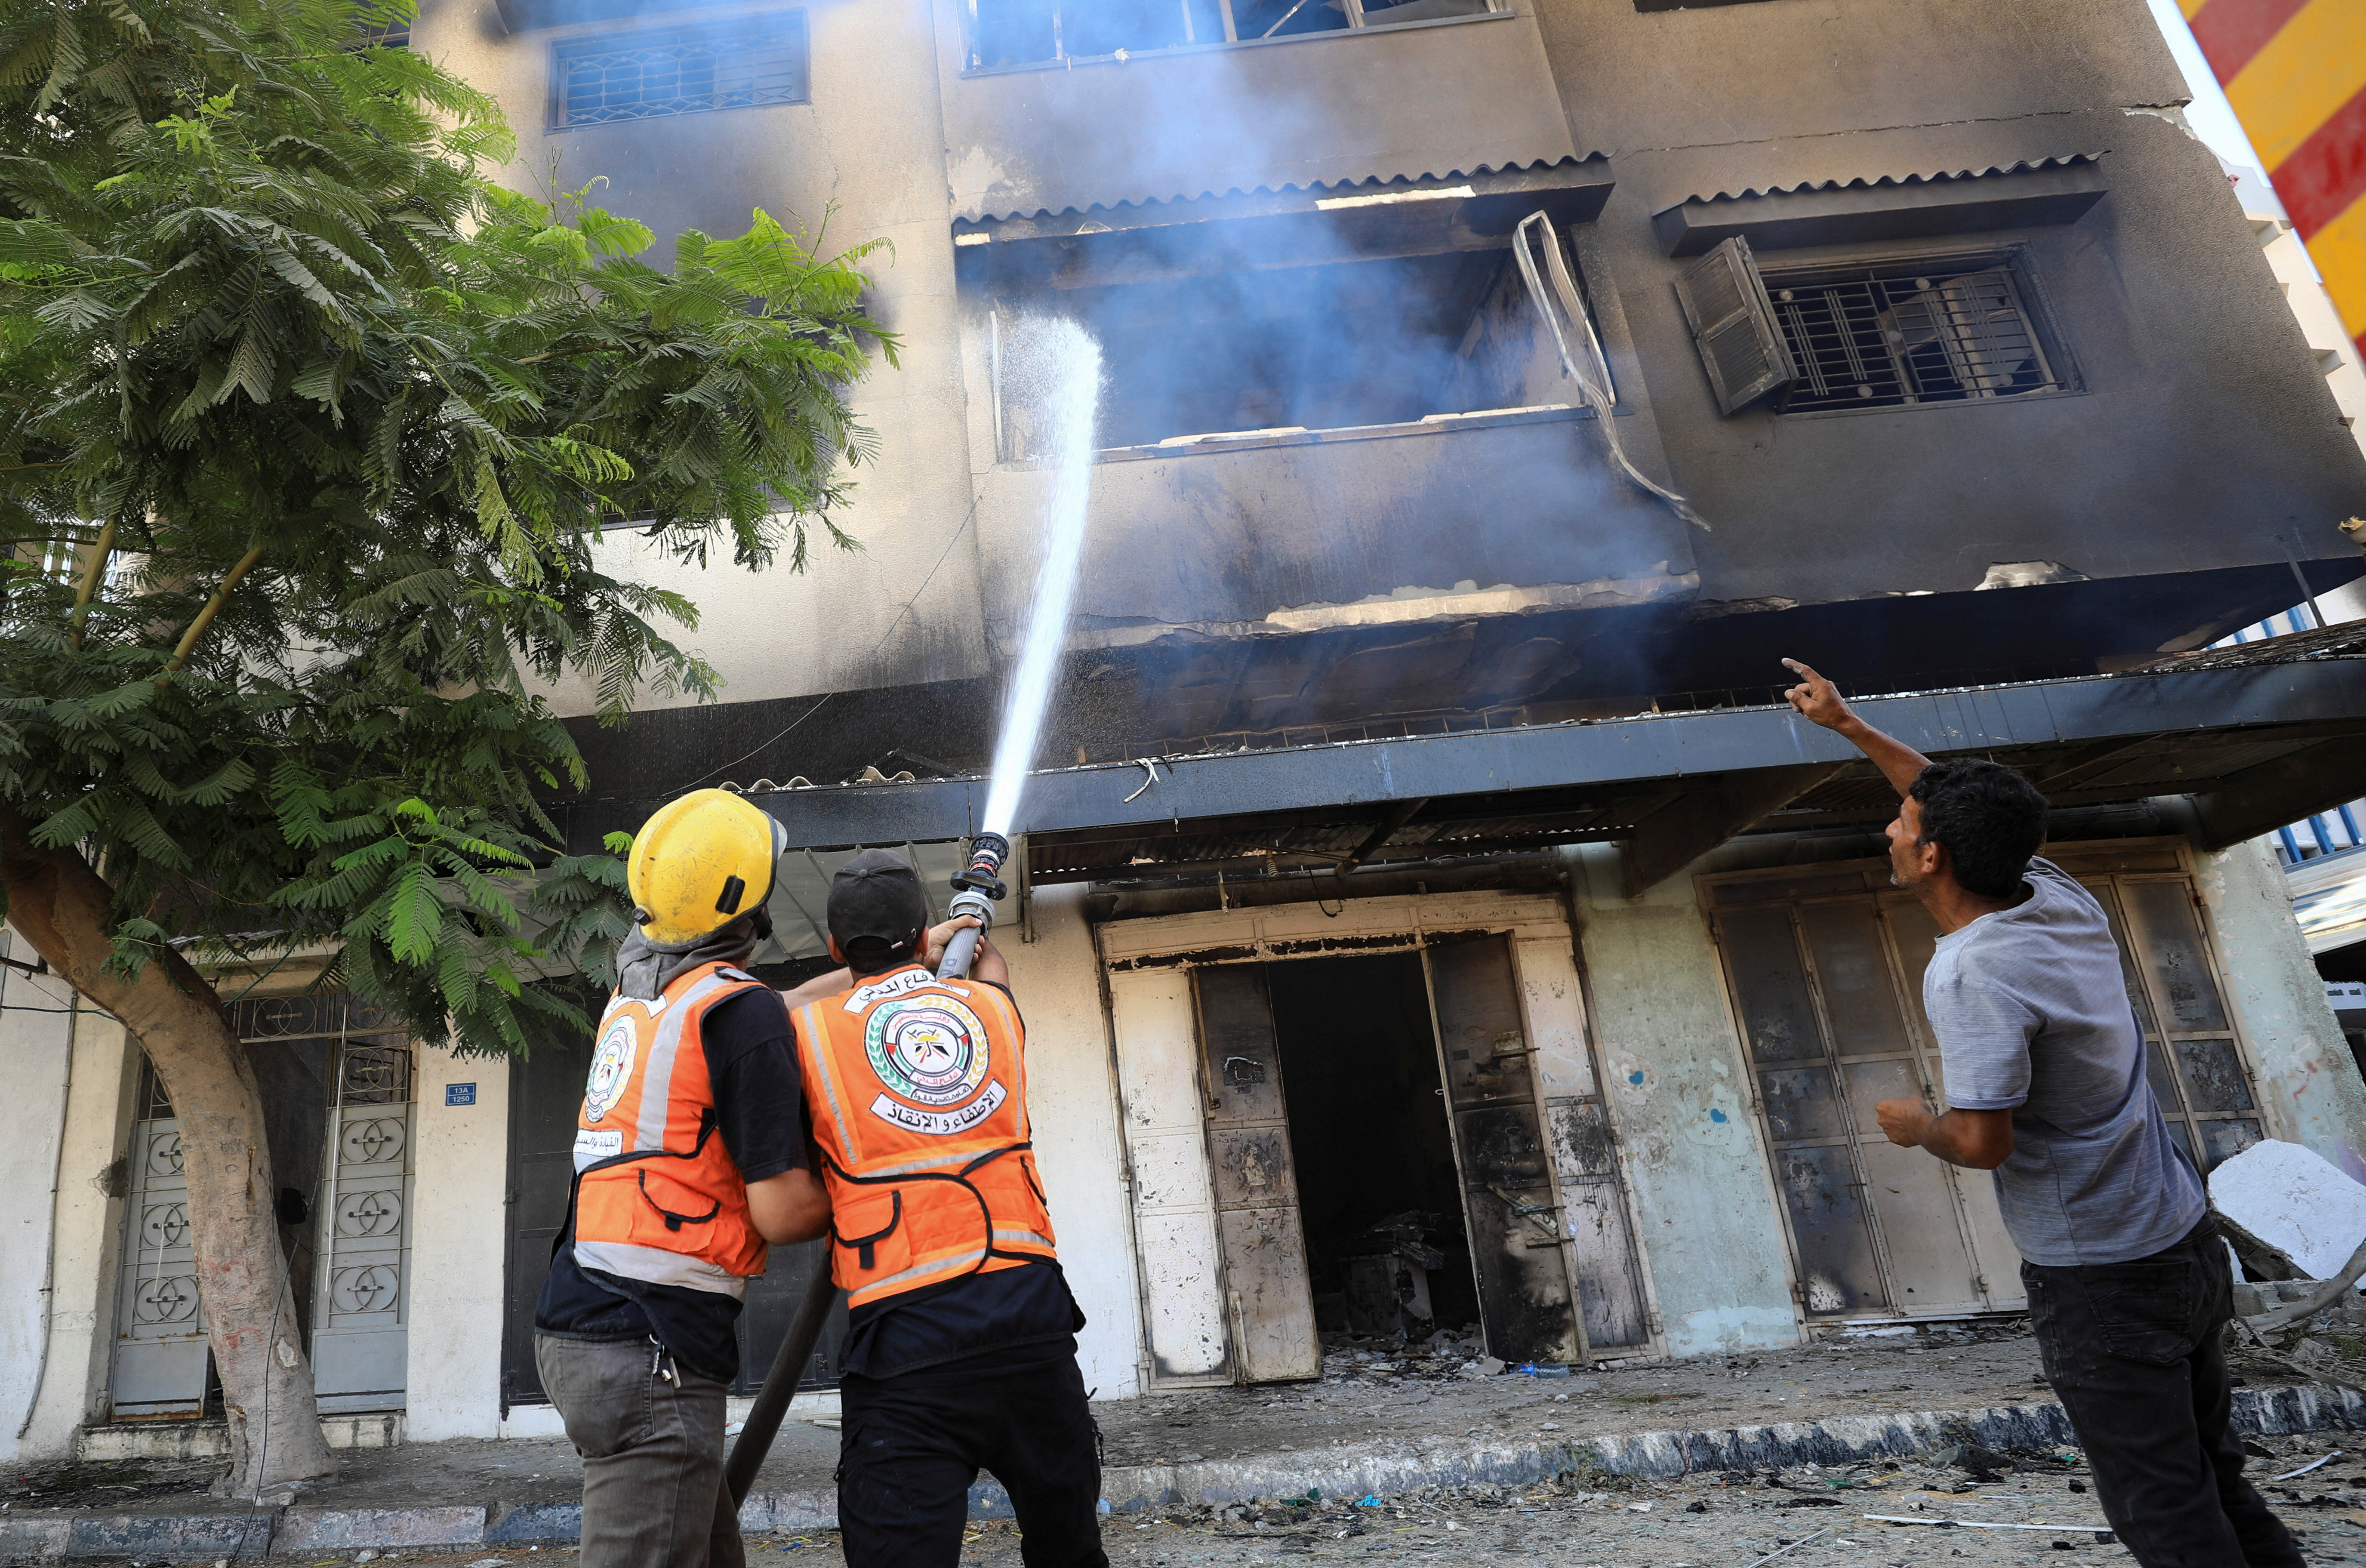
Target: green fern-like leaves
(260,294)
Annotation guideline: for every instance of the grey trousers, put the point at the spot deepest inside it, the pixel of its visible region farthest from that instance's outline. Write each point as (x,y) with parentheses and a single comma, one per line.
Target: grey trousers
(653,1491)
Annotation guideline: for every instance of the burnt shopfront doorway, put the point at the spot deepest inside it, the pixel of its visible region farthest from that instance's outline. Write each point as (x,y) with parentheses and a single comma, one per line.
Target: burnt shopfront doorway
(1397,1138)
(1370,1140)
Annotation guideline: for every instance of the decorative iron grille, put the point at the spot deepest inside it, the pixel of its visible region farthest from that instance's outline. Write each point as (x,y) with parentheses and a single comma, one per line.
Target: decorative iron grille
(1904,335)
(648,73)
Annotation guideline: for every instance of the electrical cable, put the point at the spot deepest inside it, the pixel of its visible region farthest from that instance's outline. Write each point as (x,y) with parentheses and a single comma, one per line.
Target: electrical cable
(57,1180)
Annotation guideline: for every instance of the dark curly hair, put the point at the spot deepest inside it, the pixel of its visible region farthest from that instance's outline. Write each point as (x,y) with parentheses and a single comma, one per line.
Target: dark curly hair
(1986,816)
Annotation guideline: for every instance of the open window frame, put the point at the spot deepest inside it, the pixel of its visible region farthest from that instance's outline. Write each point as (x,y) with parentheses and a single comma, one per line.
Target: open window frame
(1084,31)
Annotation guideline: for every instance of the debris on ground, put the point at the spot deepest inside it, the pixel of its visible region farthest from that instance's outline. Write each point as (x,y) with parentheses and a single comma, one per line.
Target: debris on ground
(1877,1514)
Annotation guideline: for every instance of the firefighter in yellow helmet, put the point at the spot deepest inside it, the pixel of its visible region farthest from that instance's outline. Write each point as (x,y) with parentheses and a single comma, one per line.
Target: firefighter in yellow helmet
(690,1158)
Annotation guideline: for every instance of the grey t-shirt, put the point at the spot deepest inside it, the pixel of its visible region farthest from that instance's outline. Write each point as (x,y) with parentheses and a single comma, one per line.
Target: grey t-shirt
(2033,1015)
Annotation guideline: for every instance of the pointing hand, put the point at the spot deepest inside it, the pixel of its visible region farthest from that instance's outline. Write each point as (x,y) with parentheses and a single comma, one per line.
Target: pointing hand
(1817,699)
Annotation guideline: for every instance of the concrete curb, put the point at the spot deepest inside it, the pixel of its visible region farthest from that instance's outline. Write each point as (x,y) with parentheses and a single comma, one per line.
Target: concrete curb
(1357,1470)
(1360,1471)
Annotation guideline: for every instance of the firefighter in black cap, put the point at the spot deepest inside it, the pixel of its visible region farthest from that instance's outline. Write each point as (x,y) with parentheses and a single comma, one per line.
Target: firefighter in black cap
(960,1351)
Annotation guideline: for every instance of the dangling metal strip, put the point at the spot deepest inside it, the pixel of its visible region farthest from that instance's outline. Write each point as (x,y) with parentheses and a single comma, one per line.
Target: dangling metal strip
(1593,377)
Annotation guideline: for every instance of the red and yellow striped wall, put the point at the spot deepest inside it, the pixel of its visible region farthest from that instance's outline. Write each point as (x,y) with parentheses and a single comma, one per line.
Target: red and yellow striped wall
(2295,72)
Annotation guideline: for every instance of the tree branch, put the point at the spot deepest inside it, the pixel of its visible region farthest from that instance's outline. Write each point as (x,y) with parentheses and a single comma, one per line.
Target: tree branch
(92,576)
(565,353)
(206,617)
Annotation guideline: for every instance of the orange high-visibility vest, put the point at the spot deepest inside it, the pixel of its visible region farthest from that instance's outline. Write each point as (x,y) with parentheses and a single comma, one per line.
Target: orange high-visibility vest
(919,1093)
(658,1196)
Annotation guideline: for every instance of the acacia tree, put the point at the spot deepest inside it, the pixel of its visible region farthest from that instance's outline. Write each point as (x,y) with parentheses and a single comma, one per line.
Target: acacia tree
(308,431)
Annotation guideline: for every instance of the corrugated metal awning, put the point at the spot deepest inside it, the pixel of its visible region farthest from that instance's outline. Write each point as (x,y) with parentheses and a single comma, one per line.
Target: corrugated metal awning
(1875,181)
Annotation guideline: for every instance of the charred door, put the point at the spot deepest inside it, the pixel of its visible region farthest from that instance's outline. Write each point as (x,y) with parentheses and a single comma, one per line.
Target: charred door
(1602,1263)
(1510,1200)
(1187,1341)
(1825,969)
(1268,1293)
(1876,1228)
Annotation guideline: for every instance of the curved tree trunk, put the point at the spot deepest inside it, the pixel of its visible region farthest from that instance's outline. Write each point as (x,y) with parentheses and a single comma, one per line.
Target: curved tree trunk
(59,904)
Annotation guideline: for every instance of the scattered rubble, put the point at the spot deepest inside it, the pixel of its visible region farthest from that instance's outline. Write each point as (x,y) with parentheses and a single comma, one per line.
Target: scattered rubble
(1922,1514)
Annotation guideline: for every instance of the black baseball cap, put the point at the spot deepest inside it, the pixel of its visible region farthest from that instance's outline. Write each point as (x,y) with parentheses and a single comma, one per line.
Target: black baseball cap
(877,912)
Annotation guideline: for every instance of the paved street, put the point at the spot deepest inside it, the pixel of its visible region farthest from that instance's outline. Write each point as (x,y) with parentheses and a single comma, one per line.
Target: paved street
(1702,1521)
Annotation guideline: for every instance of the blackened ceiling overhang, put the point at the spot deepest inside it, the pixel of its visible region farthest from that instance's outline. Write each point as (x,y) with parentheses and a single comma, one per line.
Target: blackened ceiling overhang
(1159,691)
(2254,742)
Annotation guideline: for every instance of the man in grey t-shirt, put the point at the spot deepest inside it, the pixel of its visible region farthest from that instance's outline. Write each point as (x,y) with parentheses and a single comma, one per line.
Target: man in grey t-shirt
(2128,1281)
(2032,1018)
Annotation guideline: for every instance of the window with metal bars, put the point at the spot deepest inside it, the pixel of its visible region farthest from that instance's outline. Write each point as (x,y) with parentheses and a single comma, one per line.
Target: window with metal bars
(663,70)
(1037,32)
(1909,334)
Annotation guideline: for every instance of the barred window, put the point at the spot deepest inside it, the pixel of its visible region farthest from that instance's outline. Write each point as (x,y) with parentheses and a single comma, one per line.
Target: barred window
(661,71)
(1908,333)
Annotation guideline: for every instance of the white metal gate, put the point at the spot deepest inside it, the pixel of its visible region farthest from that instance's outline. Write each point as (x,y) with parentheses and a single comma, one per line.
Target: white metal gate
(160,1335)
(352,1244)
(360,1337)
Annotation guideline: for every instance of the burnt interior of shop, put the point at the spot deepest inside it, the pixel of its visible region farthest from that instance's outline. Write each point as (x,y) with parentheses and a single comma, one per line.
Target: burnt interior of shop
(1387,1250)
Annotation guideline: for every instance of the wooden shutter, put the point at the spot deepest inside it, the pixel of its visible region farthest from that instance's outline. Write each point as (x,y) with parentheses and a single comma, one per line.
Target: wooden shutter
(1733,322)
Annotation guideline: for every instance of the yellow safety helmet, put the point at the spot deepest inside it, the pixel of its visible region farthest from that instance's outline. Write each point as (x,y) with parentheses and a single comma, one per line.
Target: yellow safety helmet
(700,863)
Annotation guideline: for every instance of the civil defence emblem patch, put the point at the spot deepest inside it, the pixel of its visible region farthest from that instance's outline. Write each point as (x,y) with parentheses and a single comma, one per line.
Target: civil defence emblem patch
(930,1053)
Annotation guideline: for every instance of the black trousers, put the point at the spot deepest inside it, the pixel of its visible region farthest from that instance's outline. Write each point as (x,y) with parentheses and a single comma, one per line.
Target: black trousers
(2133,1349)
(911,1446)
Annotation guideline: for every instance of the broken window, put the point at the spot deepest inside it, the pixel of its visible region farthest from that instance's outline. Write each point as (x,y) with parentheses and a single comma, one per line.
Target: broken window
(665,71)
(1036,32)
(1931,331)
(1385,341)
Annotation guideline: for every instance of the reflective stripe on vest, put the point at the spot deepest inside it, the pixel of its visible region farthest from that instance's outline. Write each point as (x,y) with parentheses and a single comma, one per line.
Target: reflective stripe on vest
(657,1197)
(919,1091)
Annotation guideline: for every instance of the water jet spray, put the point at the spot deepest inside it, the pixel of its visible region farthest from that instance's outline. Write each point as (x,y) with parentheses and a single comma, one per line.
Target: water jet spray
(1059,363)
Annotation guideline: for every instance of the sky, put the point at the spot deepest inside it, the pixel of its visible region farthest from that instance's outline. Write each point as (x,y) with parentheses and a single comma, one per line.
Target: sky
(2210,115)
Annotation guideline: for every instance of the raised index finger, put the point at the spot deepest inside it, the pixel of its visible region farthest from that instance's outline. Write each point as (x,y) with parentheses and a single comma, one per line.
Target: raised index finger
(1803,671)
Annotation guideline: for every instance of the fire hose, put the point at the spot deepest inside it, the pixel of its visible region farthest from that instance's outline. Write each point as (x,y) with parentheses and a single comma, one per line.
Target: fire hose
(977,888)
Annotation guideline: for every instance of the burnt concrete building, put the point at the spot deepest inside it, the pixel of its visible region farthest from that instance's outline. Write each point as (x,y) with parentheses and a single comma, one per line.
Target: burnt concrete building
(1426,913)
